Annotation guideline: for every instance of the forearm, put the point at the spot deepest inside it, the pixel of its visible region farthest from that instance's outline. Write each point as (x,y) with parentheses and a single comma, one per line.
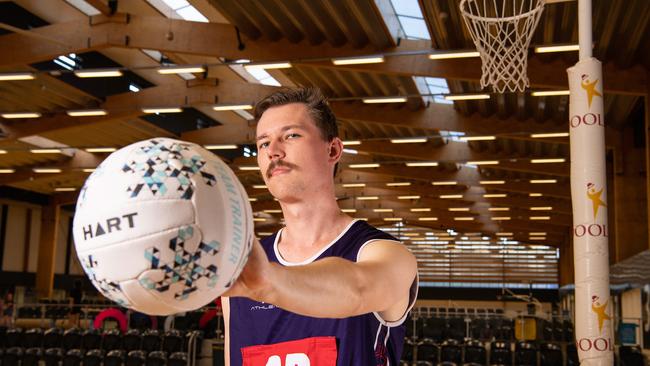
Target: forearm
(328,288)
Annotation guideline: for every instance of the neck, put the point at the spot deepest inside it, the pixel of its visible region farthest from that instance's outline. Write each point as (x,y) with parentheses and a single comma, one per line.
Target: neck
(314,222)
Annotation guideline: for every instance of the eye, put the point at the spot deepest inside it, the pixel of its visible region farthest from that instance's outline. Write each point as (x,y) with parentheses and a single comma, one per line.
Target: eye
(292,135)
(262,145)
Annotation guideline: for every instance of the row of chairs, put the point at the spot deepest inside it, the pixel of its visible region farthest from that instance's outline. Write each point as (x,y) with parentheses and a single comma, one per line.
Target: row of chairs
(94,357)
(150,340)
(474,352)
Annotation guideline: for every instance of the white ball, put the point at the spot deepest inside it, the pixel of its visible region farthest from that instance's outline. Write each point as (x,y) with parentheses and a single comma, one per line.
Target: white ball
(163,226)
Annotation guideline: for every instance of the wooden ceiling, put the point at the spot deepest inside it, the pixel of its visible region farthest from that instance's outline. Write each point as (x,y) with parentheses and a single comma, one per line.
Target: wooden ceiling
(309,34)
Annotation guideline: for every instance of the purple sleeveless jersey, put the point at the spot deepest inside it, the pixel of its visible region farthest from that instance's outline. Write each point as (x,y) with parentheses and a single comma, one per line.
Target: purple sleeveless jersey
(362,340)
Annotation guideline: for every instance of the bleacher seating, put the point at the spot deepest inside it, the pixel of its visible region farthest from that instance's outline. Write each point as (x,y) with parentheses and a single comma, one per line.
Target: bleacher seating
(550,354)
(115,357)
(451,353)
(631,356)
(73,357)
(525,354)
(32,356)
(475,353)
(500,353)
(136,358)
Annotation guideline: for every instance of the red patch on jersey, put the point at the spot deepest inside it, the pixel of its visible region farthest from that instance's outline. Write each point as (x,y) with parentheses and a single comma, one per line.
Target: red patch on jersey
(315,351)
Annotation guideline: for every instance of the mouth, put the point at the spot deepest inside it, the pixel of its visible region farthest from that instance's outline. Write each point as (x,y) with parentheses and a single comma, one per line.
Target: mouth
(278,171)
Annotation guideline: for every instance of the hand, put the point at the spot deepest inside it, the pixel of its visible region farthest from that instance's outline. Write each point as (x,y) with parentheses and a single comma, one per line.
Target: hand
(254,281)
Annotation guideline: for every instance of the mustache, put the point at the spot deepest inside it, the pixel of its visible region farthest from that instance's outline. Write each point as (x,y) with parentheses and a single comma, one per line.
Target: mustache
(278,163)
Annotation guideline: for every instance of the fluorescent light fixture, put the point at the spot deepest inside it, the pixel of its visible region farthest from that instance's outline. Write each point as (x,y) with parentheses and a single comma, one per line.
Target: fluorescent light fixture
(364,166)
(499,209)
(87,112)
(408,197)
(21,115)
(550,93)
(65,189)
(540,217)
(551,134)
(220,147)
(450,196)
(349,210)
(534,195)
(421,209)
(259,219)
(98,73)
(12,76)
(483,162)
(543,181)
(350,151)
(47,170)
(232,107)
(467,97)
(269,66)
(249,167)
(545,161)
(445,183)
(259,186)
(464,218)
(448,55)
(414,140)
(541,208)
(495,195)
(492,182)
(162,110)
(353,185)
(100,149)
(537,238)
(537,233)
(358,60)
(398,184)
(273,211)
(504,234)
(382,210)
(477,138)
(392,219)
(367,198)
(7,171)
(351,142)
(427,219)
(558,48)
(45,151)
(422,163)
(252,199)
(88,170)
(501,218)
(384,100)
(458,209)
(166,70)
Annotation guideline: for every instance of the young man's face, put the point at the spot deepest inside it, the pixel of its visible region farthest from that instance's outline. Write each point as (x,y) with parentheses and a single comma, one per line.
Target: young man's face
(293,156)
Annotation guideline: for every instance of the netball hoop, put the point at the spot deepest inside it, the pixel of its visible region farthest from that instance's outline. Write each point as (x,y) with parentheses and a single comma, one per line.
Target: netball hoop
(501,31)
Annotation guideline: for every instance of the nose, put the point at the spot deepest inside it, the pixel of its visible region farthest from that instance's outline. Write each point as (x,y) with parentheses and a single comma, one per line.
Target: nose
(275,150)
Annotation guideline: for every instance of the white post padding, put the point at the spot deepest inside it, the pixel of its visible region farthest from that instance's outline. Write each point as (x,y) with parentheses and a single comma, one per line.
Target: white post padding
(593,308)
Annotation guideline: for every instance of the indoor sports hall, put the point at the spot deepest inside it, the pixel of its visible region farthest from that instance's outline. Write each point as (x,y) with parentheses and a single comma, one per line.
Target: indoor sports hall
(499,146)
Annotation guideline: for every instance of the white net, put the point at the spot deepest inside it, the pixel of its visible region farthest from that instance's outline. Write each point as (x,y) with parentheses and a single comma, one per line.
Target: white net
(501,31)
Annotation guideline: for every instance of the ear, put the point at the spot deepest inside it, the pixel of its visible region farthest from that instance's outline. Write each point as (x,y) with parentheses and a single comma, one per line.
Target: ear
(335,150)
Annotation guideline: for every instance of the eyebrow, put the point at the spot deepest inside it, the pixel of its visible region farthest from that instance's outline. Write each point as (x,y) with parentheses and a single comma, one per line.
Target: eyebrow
(283,129)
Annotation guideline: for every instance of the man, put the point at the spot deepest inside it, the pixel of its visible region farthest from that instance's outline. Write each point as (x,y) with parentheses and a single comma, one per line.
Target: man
(326,289)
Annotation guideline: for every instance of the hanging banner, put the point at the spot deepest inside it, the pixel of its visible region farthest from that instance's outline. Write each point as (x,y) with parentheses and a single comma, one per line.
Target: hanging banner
(593,308)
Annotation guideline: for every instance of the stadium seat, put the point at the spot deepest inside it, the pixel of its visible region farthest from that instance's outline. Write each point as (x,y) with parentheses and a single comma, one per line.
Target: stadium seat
(550,354)
(407,351)
(631,356)
(172,341)
(32,356)
(572,355)
(500,353)
(115,358)
(14,337)
(71,339)
(525,354)
(132,340)
(12,356)
(157,358)
(177,359)
(151,341)
(433,329)
(427,351)
(53,338)
(33,338)
(111,340)
(53,356)
(475,353)
(450,353)
(73,357)
(136,358)
(94,357)
(91,339)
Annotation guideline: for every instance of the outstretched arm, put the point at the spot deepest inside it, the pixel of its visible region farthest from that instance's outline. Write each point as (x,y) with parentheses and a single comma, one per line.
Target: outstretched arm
(334,287)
